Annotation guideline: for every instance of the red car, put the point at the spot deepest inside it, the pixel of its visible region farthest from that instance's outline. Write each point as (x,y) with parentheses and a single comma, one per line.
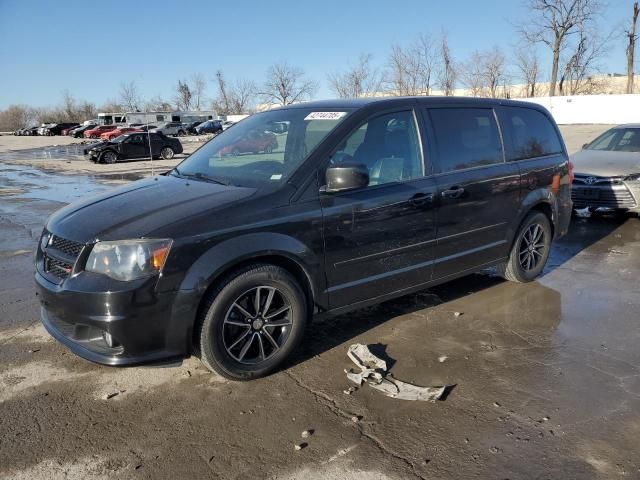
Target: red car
(254,142)
(99,130)
(110,135)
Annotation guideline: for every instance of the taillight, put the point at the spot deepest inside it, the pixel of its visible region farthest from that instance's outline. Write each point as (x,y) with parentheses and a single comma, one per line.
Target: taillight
(570,172)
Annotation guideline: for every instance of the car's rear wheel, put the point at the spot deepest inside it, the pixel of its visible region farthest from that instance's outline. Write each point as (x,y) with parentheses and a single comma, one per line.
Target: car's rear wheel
(167,153)
(252,322)
(181,133)
(108,157)
(530,249)
(94,136)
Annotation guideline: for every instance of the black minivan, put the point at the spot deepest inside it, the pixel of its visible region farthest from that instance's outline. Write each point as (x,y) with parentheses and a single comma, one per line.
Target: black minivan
(229,256)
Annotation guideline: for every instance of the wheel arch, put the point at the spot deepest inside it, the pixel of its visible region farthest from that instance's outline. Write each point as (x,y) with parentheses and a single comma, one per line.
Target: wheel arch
(541,200)
(236,253)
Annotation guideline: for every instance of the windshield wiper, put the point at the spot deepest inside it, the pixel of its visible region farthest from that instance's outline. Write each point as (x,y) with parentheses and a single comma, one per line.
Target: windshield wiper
(204,177)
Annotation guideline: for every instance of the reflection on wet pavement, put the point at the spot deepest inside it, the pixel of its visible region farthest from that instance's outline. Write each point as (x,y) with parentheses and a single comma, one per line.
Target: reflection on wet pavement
(20,181)
(72,152)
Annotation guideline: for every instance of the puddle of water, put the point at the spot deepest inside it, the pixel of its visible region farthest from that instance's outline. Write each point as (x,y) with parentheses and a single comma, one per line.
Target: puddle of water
(25,182)
(72,152)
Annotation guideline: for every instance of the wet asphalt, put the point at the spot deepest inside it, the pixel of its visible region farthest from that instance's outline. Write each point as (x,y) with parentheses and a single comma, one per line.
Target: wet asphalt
(546,378)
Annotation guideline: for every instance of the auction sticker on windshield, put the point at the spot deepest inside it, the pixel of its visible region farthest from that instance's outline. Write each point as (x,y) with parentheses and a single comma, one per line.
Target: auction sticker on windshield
(325,115)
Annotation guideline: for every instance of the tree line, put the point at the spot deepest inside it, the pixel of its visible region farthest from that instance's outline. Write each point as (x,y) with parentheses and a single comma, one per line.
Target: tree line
(570,30)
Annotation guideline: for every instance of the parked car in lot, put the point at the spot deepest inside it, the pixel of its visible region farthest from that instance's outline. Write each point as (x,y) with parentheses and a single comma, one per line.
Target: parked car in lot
(368,200)
(190,128)
(608,171)
(65,131)
(78,132)
(44,127)
(98,130)
(170,128)
(58,128)
(133,145)
(210,126)
(227,123)
(253,142)
(110,135)
(30,132)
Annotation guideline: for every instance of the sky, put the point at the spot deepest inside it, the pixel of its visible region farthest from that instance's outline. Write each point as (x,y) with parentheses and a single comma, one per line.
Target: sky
(91,47)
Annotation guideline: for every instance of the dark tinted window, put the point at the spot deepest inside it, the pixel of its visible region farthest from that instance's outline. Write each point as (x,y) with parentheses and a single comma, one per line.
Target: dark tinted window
(465,138)
(528,134)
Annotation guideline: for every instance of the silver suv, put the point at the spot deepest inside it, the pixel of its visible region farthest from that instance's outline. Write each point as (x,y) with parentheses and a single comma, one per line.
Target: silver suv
(171,128)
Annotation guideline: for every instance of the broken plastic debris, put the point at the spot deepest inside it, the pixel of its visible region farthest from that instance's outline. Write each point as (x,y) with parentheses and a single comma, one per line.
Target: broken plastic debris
(307,433)
(583,212)
(374,371)
(299,446)
(442,358)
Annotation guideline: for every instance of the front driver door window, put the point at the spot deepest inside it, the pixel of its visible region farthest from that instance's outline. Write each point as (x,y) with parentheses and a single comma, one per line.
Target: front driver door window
(380,238)
(388,146)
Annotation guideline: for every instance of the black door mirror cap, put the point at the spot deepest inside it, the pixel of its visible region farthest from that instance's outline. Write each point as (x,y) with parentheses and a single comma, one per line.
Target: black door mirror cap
(346,176)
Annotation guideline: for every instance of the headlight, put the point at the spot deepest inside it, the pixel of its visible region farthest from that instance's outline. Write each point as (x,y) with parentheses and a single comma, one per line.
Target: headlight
(128,259)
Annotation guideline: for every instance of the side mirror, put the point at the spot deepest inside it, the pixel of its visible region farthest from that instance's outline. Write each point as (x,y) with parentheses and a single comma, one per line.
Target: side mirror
(585,146)
(346,176)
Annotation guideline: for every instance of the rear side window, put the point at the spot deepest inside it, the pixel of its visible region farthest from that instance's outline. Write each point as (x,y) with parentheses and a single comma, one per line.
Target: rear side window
(528,134)
(465,138)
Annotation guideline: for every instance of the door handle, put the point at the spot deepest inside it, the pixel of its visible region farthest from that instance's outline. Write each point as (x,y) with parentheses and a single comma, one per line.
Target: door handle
(421,199)
(453,192)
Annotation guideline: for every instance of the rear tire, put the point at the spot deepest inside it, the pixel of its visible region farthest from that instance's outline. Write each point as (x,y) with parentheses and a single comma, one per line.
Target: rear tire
(530,249)
(242,342)
(167,153)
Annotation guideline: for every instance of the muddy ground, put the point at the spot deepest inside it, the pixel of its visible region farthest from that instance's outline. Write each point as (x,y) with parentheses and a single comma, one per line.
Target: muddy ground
(546,375)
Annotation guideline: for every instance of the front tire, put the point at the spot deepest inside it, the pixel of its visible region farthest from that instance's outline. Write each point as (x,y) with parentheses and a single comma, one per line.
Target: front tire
(108,157)
(530,249)
(251,322)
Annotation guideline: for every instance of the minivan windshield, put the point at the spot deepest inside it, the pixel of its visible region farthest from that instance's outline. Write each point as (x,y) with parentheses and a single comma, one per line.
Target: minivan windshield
(262,150)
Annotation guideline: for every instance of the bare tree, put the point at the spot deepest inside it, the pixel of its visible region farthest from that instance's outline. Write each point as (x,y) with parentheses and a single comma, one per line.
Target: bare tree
(184,96)
(553,22)
(198,87)
(286,84)
(631,47)
(528,64)
(130,96)
(111,105)
(485,71)
(360,80)
(158,104)
(472,75)
(15,117)
(410,70)
(577,75)
(234,98)
(447,75)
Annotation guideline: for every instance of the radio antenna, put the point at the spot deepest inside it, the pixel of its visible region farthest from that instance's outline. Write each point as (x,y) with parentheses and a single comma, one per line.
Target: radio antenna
(149,138)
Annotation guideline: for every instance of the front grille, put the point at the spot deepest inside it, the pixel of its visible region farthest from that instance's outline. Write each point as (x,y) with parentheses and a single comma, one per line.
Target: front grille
(68,247)
(607,197)
(60,255)
(57,267)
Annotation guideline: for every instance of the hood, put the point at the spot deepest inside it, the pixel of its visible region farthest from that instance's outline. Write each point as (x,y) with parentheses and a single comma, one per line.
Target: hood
(144,208)
(605,163)
(97,146)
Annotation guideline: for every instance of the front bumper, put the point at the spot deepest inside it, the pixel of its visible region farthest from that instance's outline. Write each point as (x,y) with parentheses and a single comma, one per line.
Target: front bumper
(611,193)
(145,326)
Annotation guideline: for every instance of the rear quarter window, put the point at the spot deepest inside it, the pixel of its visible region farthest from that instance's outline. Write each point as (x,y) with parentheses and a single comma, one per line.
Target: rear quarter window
(528,134)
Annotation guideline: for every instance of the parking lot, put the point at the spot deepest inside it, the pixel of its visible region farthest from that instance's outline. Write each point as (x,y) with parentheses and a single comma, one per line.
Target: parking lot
(545,376)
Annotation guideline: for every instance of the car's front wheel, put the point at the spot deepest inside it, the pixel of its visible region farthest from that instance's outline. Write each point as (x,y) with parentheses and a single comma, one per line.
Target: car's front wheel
(530,249)
(108,157)
(251,322)
(167,153)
